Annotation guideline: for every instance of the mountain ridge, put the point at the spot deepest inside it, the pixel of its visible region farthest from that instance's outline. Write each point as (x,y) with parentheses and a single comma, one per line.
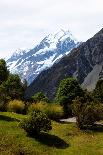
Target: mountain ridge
(29,63)
(79,63)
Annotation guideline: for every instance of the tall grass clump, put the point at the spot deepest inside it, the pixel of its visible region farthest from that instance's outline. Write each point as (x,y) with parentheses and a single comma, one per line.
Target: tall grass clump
(16,106)
(37,107)
(53,111)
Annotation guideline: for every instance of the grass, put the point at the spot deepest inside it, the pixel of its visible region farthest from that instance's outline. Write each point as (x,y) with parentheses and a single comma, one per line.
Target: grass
(64,139)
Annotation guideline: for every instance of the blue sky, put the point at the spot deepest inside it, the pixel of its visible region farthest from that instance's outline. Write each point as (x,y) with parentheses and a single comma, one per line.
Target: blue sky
(24,23)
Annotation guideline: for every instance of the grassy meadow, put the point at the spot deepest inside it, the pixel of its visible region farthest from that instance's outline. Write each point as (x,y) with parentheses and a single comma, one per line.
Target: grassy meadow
(63,139)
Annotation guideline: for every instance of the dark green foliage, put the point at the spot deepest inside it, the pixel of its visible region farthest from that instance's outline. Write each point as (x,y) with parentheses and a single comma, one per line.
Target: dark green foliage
(35,123)
(68,90)
(11,86)
(87,113)
(3,94)
(98,94)
(39,97)
(98,91)
(14,87)
(3,71)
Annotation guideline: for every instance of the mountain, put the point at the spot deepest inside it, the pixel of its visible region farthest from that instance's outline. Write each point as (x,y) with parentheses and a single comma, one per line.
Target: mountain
(84,63)
(29,63)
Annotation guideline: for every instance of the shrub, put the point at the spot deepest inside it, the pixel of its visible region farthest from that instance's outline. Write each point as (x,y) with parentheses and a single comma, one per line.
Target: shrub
(87,113)
(16,106)
(36,122)
(53,111)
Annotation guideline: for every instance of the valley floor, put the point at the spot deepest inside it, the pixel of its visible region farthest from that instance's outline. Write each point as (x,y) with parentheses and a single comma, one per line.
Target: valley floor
(63,139)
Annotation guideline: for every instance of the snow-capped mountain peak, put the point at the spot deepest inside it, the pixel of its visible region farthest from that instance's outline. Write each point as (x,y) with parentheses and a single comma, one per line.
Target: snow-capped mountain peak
(59,36)
(29,63)
(19,52)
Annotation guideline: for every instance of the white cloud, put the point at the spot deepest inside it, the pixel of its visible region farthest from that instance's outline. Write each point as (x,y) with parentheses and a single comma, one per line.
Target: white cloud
(23,23)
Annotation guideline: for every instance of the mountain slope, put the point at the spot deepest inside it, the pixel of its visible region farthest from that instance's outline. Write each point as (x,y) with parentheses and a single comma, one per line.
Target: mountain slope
(84,63)
(28,64)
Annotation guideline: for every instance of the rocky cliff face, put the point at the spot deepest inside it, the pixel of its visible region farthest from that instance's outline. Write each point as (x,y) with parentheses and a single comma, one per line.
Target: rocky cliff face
(84,63)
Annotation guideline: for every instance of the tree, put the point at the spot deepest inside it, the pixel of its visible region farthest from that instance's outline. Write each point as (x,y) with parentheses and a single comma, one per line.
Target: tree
(86,112)
(3,71)
(68,90)
(98,91)
(39,97)
(14,87)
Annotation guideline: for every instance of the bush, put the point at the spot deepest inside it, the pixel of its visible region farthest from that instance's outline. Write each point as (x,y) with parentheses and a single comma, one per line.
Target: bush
(16,106)
(36,123)
(53,111)
(86,113)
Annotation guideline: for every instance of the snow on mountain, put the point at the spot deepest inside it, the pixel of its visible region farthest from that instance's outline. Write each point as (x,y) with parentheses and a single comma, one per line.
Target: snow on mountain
(29,63)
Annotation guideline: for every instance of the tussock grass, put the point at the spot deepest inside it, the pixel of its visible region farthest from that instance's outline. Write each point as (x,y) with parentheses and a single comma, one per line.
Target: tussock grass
(16,106)
(53,111)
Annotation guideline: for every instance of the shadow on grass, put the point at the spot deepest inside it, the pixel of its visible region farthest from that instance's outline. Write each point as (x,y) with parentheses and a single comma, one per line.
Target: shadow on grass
(95,128)
(7,118)
(63,122)
(51,140)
